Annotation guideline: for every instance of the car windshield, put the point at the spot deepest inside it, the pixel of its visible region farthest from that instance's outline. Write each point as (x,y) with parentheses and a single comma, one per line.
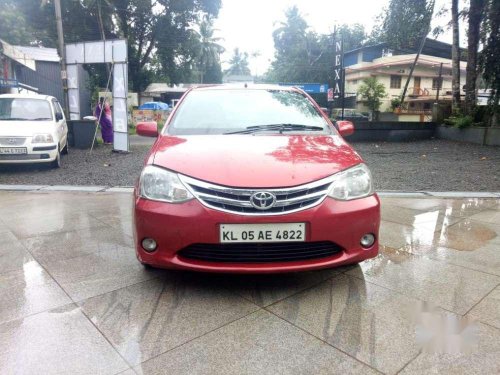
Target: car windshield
(237,110)
(26,109)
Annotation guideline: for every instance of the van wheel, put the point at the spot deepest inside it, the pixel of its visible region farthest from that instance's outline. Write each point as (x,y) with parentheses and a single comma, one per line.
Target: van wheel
(57,162)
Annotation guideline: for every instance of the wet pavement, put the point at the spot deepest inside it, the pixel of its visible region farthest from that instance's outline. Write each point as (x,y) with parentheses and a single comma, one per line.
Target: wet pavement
(74,300)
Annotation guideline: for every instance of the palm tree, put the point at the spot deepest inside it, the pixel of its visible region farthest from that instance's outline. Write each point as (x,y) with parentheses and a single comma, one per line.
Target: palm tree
(210,49)
(238,63)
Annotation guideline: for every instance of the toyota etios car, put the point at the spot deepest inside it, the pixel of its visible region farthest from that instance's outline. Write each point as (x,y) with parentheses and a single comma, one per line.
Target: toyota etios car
(32,129)
(253,179)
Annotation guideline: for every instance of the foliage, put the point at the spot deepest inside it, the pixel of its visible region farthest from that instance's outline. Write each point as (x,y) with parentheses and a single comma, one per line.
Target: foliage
(395,103)
(302,55)
(404,23)
(460,122)
(372,91)
(14,27)
(238,64)
(161,41)
(209,53)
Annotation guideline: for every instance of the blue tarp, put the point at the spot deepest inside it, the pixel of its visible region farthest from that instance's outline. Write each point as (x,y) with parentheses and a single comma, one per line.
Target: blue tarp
(155,106)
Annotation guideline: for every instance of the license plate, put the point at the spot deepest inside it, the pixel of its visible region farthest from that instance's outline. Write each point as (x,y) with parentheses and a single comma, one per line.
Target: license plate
(13,150)
(282,232)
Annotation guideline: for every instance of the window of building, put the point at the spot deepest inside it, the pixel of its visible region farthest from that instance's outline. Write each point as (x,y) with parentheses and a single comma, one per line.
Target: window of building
(437,83)
(354,81)
(395,82)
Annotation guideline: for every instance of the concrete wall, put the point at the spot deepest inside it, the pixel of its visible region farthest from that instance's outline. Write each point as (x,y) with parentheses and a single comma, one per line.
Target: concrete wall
(391,131)
(385,131)
(481,136)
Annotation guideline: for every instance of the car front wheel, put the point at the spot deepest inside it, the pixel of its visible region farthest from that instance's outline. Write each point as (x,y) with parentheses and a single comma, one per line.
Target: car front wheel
(65,150)
(57,162)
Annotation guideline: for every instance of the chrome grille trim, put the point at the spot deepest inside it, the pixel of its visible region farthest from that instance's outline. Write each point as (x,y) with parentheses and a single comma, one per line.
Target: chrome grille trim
(12,141)
(237,201)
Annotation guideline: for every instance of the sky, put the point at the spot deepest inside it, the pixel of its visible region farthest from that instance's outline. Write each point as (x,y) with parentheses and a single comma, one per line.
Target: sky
(249,24)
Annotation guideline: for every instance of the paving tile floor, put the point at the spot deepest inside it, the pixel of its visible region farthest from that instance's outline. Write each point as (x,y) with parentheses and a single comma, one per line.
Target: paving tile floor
(74,300)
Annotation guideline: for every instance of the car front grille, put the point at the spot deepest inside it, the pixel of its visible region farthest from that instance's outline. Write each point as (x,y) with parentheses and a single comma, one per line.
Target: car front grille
(238,200)
(12,141)
(260,252)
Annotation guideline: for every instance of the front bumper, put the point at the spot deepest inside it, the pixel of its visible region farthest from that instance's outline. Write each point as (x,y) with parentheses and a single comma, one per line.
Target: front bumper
(38,153)
(177,226)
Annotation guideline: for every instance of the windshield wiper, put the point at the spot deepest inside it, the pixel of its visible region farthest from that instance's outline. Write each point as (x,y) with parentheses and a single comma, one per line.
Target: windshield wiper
(279,127)
(40,119)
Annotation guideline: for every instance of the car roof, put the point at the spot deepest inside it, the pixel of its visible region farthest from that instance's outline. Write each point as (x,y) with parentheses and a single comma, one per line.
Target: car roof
(28,96)
(247,86)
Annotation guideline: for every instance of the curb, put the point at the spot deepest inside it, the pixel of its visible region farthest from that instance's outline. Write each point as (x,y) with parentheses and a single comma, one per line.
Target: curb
(130,189)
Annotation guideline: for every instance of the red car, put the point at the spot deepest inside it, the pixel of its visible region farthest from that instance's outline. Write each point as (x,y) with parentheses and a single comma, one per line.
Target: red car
(253,179)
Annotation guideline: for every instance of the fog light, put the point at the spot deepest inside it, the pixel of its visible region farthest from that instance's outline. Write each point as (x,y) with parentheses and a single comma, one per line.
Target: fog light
(367,240)
(149,244)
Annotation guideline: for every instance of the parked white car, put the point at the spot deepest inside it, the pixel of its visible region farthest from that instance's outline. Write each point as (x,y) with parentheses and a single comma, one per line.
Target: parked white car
(33,129)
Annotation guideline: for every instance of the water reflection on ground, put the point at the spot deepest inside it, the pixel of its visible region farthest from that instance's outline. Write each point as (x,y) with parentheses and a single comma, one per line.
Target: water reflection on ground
(73,298)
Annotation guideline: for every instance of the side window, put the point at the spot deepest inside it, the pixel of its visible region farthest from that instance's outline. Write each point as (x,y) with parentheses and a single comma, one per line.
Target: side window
(57,107)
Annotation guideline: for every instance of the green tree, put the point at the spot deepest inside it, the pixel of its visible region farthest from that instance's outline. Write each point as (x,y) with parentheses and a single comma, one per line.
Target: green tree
(302,55)
(354,36)
(209,51)
(161,42)
(404,24)
(297,50)
(238,64)
(372,91)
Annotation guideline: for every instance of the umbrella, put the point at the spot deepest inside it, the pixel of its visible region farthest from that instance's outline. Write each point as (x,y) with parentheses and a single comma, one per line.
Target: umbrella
(155,106)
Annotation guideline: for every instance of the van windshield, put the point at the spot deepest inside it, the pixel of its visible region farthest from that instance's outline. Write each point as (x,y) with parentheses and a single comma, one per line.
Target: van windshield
(24,109)
(220,111)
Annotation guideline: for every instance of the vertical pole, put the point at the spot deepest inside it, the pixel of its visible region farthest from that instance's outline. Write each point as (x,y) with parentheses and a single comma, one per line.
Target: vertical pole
(343,74)
(439,81)
(62,54)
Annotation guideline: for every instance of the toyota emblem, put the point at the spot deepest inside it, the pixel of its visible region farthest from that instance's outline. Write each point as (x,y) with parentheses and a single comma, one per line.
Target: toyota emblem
(11,141)
(263,200)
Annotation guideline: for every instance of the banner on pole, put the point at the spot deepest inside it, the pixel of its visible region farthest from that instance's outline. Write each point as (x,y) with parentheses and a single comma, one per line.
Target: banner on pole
(338,70)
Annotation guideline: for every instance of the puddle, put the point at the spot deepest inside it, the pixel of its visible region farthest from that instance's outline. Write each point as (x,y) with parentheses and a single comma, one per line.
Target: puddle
(393,255)
(466,236)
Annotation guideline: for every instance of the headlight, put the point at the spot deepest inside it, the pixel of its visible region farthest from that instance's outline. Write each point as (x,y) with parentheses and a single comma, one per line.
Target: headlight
(42,138)
(159,184)
(355,182)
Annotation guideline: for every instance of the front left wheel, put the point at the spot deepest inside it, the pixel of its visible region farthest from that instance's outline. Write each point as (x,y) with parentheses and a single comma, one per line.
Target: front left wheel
(57,162)
(65,150)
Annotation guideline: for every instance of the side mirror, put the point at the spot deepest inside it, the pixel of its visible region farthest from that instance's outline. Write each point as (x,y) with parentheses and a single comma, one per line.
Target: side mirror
(147,129)
(59,116)
(345,128)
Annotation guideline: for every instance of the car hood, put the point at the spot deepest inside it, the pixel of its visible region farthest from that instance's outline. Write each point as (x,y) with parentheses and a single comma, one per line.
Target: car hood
(24,128)
(254,160)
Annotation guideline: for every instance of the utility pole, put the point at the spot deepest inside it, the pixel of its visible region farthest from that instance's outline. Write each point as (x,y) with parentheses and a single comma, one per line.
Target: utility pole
(62,54)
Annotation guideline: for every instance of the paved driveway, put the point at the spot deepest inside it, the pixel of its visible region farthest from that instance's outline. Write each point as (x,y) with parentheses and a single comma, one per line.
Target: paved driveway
(74,300)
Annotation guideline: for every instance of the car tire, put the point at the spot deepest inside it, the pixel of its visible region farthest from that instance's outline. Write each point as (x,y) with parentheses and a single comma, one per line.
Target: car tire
(57,162)
(147,266)
(65,150)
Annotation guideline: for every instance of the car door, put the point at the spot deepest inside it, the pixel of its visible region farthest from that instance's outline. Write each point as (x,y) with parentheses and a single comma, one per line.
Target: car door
(61,125)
